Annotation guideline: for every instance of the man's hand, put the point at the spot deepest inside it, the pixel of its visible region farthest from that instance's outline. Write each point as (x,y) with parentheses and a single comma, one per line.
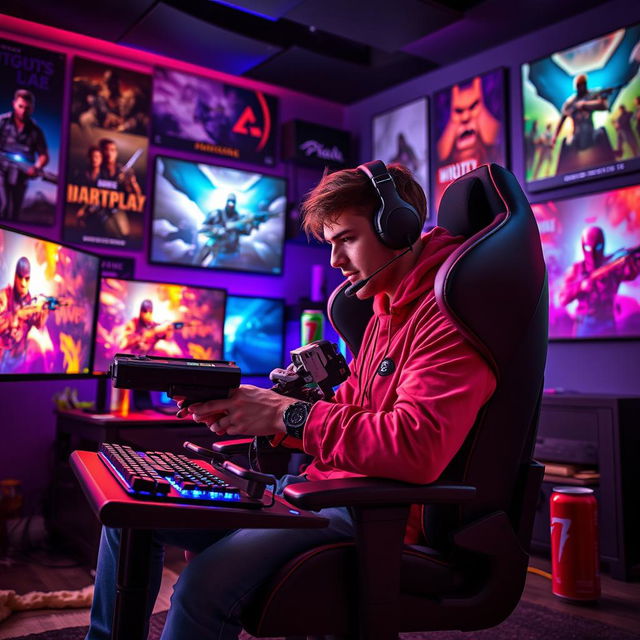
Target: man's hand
(249,410)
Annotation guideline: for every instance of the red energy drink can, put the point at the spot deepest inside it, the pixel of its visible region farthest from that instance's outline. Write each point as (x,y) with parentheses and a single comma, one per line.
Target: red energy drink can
(575,561)
(312,326)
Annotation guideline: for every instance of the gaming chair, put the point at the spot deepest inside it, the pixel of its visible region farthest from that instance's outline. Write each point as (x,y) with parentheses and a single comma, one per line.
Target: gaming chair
(479,514)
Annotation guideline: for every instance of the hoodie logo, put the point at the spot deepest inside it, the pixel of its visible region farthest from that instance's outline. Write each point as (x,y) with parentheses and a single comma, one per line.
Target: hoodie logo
(387,367)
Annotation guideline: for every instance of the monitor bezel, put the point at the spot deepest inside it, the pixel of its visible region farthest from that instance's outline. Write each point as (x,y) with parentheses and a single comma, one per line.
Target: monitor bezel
(283,303)
(152,207)
(24,377)
(105,374)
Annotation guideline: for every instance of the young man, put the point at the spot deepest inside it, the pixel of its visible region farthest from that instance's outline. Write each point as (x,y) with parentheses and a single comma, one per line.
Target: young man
(414,393)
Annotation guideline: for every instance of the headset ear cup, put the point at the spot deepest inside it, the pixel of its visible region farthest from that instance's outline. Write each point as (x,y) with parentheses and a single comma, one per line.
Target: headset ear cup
(399,227)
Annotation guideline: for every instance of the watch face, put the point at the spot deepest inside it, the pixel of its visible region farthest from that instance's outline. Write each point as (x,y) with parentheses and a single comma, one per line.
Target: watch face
(297,414)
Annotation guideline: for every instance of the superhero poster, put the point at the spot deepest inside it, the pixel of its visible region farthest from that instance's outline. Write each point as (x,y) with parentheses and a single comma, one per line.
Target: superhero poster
(400,135)
(581,111)
(107,156)
(194,113)
(31,95)
(47,303)
(469,128)
(217,218)
(158,319)
(591,246)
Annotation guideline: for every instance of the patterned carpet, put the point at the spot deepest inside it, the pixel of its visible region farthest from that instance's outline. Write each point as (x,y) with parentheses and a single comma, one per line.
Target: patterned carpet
(528,622)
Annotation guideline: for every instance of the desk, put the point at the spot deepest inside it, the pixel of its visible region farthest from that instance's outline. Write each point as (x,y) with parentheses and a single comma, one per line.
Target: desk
(68,516)
(137,518)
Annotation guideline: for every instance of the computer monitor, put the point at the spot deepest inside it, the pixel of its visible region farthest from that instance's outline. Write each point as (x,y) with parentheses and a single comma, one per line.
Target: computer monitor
(254,334)
(215,217)
(578,110)
(159,319)
(48,301)
(591,245)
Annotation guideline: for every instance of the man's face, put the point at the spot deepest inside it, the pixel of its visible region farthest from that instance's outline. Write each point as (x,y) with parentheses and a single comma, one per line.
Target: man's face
(22,109)
(21,284)
(146,317)
(111,153)
(357,252)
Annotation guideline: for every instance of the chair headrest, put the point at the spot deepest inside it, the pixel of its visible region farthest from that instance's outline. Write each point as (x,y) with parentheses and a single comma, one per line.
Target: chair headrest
(468,205)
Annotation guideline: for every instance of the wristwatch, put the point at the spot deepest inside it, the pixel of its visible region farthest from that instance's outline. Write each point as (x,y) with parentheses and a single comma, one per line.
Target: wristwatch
(294,418)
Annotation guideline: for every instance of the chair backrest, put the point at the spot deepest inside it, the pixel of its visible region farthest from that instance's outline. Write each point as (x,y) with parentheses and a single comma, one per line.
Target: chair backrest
(494,288)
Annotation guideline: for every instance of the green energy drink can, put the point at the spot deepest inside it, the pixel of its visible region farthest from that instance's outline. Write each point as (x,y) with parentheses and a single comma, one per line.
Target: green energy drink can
(311,325)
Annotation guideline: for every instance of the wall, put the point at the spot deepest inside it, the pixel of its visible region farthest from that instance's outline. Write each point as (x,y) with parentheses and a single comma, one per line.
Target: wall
(27,424)
(594,366)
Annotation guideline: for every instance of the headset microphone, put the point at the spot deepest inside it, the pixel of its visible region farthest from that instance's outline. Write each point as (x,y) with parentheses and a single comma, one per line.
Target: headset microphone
(351,290)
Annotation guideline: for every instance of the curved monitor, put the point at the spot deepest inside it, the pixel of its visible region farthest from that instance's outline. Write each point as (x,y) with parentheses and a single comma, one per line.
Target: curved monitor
(159,319)
(254,334)
(215,217)
(47,307)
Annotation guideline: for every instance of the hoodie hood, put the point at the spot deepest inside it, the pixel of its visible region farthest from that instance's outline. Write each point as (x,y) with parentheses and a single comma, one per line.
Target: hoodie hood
(437,245)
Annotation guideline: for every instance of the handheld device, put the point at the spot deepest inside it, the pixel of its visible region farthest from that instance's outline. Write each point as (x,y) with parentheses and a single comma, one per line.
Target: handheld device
(196,380)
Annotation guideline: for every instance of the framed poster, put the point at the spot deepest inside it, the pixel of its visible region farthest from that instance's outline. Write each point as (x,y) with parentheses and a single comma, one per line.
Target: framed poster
(107,155)
(194,113)
(591,246)
(400,135)
(468,128)
(580,111)
(31,95)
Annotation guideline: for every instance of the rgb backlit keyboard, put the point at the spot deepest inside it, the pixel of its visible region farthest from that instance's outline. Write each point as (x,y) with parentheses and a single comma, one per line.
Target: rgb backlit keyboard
(169,477)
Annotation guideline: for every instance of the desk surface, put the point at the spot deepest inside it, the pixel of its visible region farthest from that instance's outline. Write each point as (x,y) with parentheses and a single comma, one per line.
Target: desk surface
(146,418)
(115,508)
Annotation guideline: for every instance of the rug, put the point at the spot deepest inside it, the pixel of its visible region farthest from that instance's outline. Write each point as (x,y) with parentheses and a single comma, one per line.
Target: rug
(66,622)
(528,622)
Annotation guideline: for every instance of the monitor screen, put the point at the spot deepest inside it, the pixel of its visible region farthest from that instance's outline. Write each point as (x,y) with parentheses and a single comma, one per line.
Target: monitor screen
(591,246)
(580,110)
(158,319)
(217,218)
(47,307)
(254,334)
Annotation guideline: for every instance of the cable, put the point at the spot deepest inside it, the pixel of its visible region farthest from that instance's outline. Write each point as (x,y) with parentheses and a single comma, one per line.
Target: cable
(540,572)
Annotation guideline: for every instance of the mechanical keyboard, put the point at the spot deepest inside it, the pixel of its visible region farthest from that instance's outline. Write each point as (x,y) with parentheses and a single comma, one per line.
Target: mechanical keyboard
(168,477)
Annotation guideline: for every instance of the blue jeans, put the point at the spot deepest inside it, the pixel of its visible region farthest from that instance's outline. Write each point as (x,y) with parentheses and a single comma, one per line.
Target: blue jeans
(213,588)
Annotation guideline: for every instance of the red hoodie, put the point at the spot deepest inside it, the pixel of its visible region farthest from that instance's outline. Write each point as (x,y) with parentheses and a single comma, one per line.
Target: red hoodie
(404,420)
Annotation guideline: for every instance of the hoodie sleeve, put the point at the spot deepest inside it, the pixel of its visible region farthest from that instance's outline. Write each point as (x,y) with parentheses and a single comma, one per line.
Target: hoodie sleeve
(442,384)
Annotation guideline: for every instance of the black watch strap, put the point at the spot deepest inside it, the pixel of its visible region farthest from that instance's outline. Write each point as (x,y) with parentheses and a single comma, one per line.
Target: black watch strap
(295,417)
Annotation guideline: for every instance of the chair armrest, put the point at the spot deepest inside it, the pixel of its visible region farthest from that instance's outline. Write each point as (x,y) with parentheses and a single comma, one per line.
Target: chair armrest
(349,492)
(231,447)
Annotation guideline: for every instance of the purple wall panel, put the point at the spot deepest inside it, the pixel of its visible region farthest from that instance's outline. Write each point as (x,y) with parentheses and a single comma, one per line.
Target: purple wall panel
(595,366)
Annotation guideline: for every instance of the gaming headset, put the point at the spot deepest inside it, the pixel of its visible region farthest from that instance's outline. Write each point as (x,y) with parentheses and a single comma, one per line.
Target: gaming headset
(396,223)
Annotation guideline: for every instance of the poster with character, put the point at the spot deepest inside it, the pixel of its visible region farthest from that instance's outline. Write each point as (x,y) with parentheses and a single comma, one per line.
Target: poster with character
(31,95)
(107,156)
(469,128)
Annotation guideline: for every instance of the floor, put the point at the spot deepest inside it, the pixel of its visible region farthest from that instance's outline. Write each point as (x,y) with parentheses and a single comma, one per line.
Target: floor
(40,570)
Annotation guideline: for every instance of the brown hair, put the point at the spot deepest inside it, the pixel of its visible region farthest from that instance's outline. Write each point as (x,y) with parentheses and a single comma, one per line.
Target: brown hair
(26,95)
(352,189)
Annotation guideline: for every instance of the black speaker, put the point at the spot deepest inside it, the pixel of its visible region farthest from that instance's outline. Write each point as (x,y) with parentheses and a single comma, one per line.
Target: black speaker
(396,222)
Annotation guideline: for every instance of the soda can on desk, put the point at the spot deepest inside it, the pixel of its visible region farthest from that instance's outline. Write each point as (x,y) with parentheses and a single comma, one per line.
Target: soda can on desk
(575,561)
(311,326)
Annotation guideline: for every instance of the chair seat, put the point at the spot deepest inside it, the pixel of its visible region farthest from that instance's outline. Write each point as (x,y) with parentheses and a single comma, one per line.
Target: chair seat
(317,589)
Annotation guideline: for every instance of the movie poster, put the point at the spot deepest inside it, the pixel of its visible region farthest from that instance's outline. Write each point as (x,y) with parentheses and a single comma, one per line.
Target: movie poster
(194,113)
(217,218)
(400,135)
(581,111)
(591,247)
(107,157)
(158,319)
(47,302)
(469,128)
(31,95)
